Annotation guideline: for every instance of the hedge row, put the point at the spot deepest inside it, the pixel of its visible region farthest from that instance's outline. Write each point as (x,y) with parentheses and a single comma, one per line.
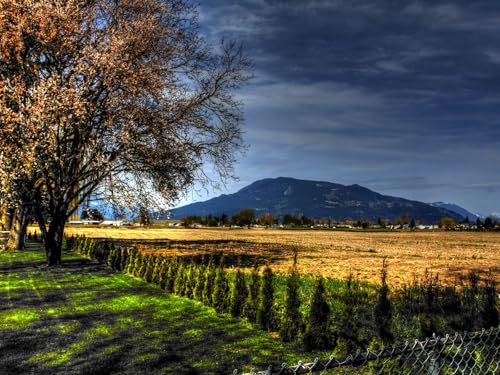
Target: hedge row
(349,320)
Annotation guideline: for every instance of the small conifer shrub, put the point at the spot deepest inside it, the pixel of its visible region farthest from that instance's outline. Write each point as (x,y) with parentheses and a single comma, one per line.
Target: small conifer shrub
(252,302)
(208,287)
(200,280)
(221,286)
(179,279)
(190,280)
(489,311)
(265,312)
(239,294)
(291,320)
(318,335)
(162,273)
(171,274)
(383,309)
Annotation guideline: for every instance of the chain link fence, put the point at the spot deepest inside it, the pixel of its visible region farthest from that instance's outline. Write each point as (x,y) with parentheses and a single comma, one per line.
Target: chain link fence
(468,353)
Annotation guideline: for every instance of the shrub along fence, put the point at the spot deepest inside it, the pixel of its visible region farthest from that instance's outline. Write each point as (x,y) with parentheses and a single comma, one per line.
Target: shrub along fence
(351,317)
(468,353)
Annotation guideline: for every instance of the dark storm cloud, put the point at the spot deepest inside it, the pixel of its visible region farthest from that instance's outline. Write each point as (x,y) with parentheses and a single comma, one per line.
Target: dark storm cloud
(355,91)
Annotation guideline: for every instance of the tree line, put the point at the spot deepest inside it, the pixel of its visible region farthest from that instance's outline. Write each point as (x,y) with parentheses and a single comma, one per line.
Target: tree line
(248,217)
(311,312)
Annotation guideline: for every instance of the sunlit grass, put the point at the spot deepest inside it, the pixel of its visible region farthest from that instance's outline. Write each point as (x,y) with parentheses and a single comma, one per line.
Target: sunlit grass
(19,318)
(81,318)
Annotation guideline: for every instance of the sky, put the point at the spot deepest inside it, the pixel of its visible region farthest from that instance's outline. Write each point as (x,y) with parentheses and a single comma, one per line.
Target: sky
(402,97)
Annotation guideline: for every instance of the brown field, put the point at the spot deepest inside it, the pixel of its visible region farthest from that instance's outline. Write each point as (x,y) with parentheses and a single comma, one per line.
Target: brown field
(332,254)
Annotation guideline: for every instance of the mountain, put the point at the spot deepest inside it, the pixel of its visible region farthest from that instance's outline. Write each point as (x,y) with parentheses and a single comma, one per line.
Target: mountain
(458,210)
(314,199)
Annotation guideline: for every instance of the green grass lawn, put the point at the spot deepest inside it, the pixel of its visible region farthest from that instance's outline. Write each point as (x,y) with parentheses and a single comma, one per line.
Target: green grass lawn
(84,319)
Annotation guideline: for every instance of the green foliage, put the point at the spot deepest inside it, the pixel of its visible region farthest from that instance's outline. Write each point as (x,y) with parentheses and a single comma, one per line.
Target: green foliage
(150,267)
(146,259)
(353,317)
(451,308)
(132,261)
(109,254)
(190,280)
(208,287)
(179,279)
(137,330)
(200,281)
(252,302)
(383,309)
(419,309)
(155,277)
(221,289)
(117,261)
(291,320)
(301,220)
(163,272)
(244,217)
(171,274)
(489,311)
(470,302)
(124,259)
(239,294)
(265,312)
(318,335)
(139,260)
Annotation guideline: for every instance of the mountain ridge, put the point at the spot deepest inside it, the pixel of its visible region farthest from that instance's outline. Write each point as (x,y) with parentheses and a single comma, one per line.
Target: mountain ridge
(315,199)
(458,209)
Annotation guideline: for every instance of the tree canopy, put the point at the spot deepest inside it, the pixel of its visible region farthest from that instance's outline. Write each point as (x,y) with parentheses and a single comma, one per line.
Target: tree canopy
(119,97)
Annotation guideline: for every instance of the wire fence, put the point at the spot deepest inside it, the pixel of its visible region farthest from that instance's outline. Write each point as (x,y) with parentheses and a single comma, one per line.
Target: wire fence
(468,353)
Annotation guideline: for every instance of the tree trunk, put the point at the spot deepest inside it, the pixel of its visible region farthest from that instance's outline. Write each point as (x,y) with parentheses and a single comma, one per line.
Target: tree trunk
(53,240)
(9,218)
(3,222)
(18,228)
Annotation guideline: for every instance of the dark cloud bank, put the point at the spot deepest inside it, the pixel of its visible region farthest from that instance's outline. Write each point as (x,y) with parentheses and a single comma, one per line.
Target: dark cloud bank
(400,96)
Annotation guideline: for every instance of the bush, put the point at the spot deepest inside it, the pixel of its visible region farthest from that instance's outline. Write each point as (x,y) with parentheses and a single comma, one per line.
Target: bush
(171,274)
(155,276)
(179,279)
(318,336)
(470,302)
(208,287)
(139,260)
(200,280)
(265,312)
(109,254)
(353,317)
(489,311)
(124,259)
(383,310)
(221,289)
(132,261)
(190,280)
(252,302)
(239,294)
(163,272)
(291,321)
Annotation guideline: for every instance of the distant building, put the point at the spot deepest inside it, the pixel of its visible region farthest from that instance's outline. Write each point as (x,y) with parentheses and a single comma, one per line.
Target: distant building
(113,223)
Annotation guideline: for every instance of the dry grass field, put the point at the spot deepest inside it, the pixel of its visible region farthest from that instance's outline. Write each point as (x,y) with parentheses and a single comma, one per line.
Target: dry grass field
(332,254)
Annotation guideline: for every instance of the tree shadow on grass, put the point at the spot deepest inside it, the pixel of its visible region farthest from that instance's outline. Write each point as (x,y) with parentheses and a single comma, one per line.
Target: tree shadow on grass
(82,318)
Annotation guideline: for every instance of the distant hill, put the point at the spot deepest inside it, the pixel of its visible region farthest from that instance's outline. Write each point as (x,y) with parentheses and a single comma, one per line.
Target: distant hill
(458,210)
(315,199)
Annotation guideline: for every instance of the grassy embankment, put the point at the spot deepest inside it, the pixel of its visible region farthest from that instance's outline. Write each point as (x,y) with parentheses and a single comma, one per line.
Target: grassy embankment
(82,318)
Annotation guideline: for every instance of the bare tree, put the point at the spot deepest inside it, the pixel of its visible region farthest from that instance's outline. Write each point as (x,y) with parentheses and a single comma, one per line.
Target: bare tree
(121,97)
